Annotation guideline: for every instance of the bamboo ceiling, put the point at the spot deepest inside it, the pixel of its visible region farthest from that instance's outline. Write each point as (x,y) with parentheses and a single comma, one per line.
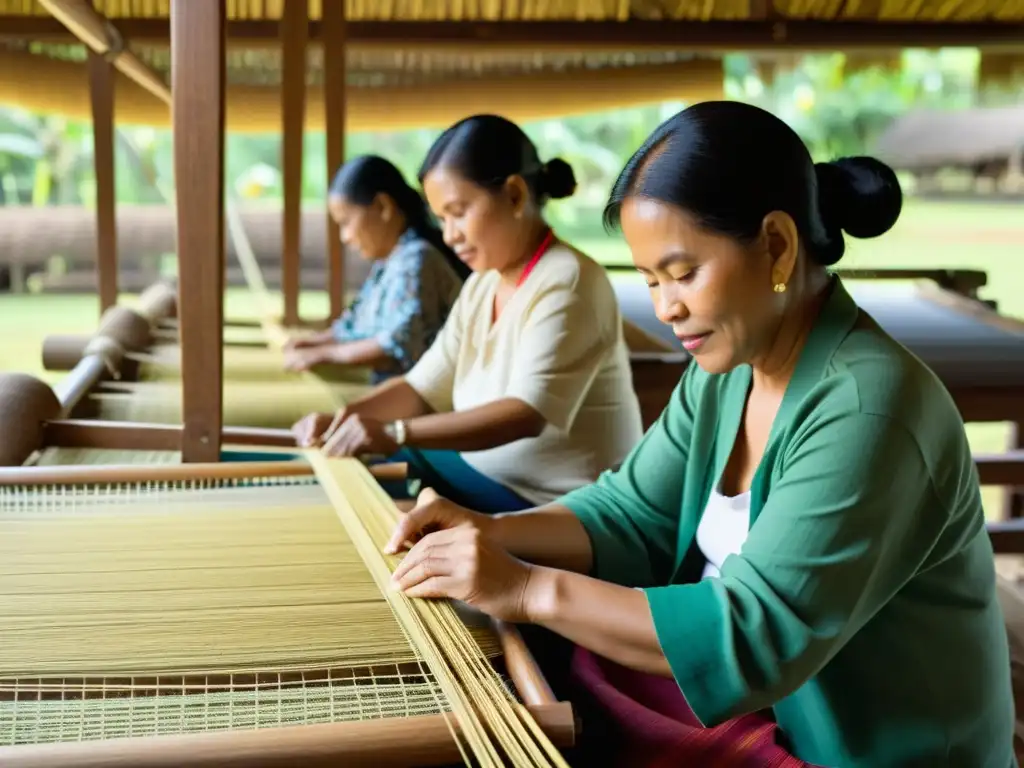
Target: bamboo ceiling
(369,68)
(583,10)
(394,81)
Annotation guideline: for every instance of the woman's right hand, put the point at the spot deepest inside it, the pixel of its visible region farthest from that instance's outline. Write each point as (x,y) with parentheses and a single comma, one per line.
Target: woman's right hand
(311,430)
(432,513)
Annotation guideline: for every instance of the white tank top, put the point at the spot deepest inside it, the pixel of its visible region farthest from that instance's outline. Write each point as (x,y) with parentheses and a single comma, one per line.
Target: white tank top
(723,529)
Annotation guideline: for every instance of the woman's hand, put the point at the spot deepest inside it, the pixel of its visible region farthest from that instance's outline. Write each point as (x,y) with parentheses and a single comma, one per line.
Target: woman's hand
(457,559)
(357,435)
(311,429)
(432,513)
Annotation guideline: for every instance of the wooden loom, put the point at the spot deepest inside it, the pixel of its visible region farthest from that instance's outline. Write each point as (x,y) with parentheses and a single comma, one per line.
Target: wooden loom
(258,391)
(314,711)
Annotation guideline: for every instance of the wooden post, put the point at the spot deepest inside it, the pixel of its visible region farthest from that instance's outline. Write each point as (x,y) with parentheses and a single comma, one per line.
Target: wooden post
(334,37)
(101,97)
(198,74)
(294,33)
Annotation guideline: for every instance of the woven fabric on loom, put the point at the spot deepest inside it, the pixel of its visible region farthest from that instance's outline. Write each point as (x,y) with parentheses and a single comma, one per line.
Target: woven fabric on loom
(56,457)
(145,609)
(257,391)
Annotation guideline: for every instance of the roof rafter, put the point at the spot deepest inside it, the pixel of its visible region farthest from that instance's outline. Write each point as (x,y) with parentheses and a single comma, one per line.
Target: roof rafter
(764,35)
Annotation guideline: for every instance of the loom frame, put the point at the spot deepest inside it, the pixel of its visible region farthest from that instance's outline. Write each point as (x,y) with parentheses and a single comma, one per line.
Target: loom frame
(391,741)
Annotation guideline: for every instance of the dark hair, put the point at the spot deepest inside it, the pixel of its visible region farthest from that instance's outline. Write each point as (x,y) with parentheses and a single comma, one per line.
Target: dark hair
(729,164)
(361,179)
(487,149)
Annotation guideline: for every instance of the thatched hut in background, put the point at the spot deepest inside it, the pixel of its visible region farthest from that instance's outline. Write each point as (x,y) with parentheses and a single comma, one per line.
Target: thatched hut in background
(977,150)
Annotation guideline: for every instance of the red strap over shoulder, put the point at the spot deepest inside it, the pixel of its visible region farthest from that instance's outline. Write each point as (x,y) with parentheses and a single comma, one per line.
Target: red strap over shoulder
(545,244)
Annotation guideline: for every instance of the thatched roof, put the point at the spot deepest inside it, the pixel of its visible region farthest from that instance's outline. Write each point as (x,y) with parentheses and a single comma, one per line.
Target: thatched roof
(427,62)
(577,10)
(386,87)
(374,68)
(929,139)
(51,79)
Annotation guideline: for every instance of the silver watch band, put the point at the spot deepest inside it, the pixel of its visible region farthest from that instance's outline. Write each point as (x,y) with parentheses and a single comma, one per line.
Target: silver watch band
(396,431)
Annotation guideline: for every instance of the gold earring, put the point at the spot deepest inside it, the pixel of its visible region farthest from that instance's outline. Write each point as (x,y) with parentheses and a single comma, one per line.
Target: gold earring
(779,287)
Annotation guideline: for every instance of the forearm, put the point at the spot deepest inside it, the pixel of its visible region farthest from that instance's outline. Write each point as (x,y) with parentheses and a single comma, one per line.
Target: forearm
(609,620)
(393,399)
(550,536)
(477,429)
(362,352)
(313,340)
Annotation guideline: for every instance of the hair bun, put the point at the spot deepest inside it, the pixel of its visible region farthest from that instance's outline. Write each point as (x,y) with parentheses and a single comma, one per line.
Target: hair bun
(858,195)
(557,179)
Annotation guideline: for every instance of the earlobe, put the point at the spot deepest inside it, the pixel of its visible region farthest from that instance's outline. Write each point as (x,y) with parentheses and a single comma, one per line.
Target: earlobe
(783,244)
(518,195)
(385,206)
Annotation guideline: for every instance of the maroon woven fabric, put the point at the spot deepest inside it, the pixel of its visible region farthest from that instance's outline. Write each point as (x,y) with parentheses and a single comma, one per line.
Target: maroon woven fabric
(645,722)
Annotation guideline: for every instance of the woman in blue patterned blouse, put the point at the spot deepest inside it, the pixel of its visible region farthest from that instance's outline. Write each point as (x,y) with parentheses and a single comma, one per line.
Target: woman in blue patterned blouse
(412,285)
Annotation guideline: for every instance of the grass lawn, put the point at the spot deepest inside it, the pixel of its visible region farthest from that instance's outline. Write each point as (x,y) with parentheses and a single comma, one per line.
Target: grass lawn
(982,236)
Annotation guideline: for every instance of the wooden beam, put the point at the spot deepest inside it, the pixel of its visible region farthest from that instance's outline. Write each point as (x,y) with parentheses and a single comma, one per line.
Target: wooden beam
(1005,469)
(198,108)
(336,29)
(101,96)
(1007,536)
(779,35)
(86,24)
(294,29)
(134,436)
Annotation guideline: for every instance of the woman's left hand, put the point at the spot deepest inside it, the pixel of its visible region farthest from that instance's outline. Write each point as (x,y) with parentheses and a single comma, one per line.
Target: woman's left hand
(360,436)
(462,563)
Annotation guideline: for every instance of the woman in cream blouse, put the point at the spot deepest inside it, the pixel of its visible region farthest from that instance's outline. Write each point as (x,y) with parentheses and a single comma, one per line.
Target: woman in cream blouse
(527,392)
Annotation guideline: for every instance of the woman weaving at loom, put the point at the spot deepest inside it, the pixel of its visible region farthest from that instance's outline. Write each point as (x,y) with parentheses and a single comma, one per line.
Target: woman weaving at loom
(792,567)
(527,392)
(412,285)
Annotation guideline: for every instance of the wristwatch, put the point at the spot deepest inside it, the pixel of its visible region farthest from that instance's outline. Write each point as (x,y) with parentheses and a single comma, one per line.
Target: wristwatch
(396,431)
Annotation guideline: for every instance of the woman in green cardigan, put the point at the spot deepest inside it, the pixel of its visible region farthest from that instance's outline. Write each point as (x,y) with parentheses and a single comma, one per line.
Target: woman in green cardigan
(800,534)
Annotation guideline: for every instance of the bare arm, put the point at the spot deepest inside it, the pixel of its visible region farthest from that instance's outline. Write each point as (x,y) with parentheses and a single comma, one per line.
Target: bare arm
(550,535)
(610,620)
(393,399)
(362,352)
(313,340)
(477,429)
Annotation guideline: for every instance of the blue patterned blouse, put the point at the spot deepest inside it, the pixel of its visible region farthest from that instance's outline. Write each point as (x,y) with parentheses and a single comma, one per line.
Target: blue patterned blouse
(403,304)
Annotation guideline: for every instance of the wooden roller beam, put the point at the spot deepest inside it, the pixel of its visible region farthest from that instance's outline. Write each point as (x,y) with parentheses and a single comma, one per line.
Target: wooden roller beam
(135,436)
(522,667)
(86,374)
(389,742)
(92,474)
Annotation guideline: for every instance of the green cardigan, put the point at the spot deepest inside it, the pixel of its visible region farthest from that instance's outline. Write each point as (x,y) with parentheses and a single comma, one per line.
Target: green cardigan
(862,607)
